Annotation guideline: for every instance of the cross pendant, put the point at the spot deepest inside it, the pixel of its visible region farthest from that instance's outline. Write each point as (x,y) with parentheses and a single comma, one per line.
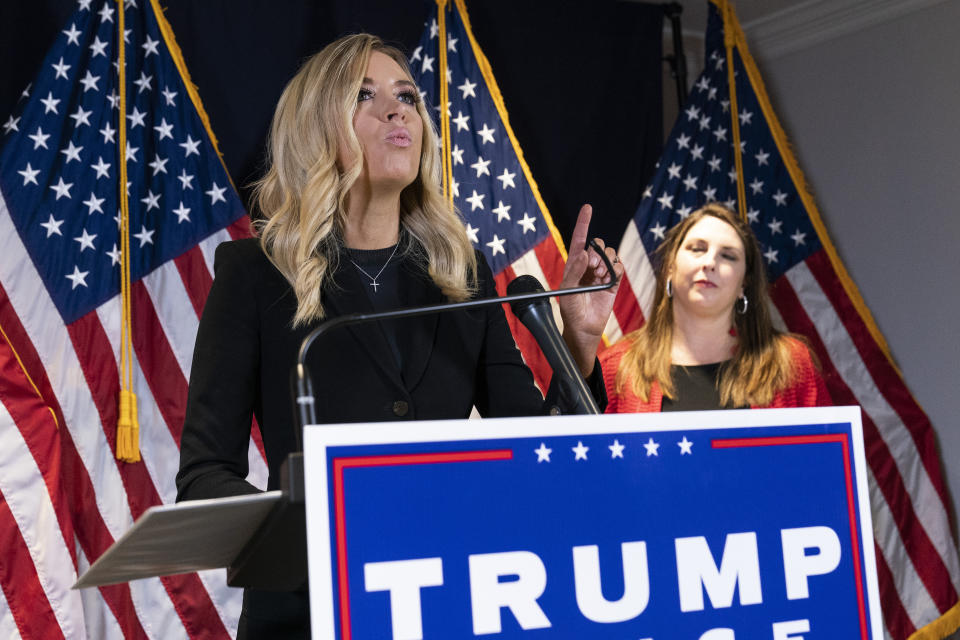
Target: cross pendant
(375,285)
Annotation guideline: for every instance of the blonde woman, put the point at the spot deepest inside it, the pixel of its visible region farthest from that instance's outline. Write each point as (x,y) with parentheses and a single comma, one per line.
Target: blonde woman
(354,220)
(710,342)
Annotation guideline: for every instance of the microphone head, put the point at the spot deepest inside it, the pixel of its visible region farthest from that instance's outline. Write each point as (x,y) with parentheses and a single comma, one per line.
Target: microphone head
(524,284)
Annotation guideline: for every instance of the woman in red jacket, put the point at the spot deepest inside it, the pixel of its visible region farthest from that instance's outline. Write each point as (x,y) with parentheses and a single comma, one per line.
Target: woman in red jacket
(710,342)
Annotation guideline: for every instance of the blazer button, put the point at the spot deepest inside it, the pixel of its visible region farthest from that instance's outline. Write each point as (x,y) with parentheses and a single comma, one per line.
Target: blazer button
(400,408)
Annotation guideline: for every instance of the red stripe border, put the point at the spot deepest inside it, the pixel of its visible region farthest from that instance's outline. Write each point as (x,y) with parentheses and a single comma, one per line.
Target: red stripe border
(393,460)
(844,440)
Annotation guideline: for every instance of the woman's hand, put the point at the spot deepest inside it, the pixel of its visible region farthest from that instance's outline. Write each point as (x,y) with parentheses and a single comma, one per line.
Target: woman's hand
(585,315)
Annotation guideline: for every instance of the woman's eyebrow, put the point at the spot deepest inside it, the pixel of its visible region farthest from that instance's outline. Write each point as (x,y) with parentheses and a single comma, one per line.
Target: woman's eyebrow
(398,83)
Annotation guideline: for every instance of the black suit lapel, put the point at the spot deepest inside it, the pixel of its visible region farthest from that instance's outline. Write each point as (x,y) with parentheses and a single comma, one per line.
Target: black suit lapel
(416,336)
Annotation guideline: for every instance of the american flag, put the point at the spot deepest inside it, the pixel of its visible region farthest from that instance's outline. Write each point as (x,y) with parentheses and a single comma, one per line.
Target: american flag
(813,296)
(492,186)
(64,496)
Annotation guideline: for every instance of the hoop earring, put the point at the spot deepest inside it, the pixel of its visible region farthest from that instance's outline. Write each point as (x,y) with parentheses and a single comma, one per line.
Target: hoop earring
(746,304)
(669,288)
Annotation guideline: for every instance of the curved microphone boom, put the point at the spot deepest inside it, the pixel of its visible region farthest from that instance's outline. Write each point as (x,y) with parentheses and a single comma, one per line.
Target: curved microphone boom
(537,316)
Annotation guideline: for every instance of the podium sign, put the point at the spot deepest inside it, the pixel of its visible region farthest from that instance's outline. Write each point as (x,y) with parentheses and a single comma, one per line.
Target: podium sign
(722,525)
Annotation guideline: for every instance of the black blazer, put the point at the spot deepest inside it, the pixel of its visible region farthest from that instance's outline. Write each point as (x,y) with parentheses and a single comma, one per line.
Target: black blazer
(246,349)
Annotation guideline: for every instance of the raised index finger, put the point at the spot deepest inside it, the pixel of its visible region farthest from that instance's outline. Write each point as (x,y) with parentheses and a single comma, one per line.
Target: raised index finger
(578,242)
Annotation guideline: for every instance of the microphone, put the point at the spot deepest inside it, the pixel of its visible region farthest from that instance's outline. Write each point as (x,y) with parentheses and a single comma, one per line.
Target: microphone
(537,316)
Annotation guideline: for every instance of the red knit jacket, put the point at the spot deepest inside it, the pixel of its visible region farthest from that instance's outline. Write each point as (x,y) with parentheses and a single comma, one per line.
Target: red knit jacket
(807,390)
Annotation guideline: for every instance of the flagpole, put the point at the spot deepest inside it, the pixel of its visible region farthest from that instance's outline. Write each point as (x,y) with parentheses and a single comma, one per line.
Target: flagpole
(444,99)
(729,41)
(128,428)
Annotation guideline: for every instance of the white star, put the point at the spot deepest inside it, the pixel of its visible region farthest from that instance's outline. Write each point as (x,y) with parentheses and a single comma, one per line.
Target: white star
(427,64)
(718,64)
(150,46)
(730,203)
(163,130)
(480,166)
(169,96)
(710,194)
(132,152)
(683,141)
(72,33)
(693,113)
(666,201)
(502,211)
(62,189)
(39,139)
(81,117)
(616,449)
(416,54)
(720,133)
(658,231)
(798,238)
(496,245)
(143,82)
(26,92)
(732,174)
(753,216)
(152,200)
(704,84)
(61,69)
(106,13)
(98,47)
(185,180)
(89,82)
(714,163)
(86,241)
(472,233)
(690,182)
(183,213)
(216,193)
(159,164)
(461,121)
(648,192)
(452,44)
(684,211)
(434,29)
(685,446)
(468,89)
(457,154)
(775,226)
(114,254)
(29,175)
(136,118)
(476,200)
(527,223)
(77,277)
(756,186)
(72,152)
(652,448)
(745,117)
(114,100)
(580,451)
(93,204)
(50,103)
(697,152)
(52,226)
(704,122)
(770,255)
(762,158)
(11,125)
(674,171)
(543,453)
(191,146)
(486,134)
(456,188)
(781,198)
(712,94)
(145,237)
(507,179)
(101,168)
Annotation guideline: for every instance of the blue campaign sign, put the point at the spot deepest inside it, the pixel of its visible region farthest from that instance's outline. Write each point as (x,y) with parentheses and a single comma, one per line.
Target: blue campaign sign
(724,525)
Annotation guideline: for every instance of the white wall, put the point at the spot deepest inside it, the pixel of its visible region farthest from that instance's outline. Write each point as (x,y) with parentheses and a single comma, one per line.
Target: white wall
(874,117)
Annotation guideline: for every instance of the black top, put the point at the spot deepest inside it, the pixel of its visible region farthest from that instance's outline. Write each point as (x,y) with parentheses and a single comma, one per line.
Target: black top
(696,388)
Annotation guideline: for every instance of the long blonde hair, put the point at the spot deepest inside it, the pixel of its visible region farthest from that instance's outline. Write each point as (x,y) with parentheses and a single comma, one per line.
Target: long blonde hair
(762,363)
(302,197)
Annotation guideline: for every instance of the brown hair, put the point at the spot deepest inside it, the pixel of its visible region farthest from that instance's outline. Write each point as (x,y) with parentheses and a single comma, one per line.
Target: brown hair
(761,365)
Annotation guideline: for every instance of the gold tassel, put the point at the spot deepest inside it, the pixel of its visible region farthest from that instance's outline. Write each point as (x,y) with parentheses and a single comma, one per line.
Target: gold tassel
(128,428)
